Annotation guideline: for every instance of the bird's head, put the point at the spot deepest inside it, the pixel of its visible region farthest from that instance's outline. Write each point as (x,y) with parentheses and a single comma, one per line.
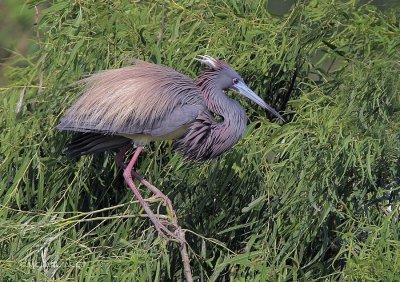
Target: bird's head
(228,79)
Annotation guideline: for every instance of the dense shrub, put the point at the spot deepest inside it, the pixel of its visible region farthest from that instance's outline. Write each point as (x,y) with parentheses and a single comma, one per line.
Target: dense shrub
(316,198)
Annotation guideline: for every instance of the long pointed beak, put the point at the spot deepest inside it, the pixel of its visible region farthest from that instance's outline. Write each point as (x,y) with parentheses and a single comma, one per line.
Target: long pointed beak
(243,89)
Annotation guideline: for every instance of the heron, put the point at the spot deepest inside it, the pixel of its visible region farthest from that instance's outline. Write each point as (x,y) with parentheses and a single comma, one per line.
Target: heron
(144,102)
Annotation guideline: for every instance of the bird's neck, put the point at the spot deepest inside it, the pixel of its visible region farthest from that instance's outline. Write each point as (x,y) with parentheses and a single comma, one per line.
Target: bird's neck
(208,138)
(215,98)
(234,116)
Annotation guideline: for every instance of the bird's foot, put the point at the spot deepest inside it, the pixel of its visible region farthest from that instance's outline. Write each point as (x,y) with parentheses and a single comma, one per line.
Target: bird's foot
(170,221)
(168,227)
(158,196)
(168,230)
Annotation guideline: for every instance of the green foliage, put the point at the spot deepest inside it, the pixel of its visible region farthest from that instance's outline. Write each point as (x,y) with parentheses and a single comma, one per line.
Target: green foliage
(16,21)
(314,199)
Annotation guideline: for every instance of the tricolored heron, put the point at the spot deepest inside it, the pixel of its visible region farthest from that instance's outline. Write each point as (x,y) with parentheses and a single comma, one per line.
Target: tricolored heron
(147,102)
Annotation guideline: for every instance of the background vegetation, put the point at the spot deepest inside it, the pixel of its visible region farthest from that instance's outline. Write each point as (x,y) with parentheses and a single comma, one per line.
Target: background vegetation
(314,199)
(16,31)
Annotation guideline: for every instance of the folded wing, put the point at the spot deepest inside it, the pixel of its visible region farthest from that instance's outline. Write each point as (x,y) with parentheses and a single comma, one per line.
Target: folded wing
(141,99)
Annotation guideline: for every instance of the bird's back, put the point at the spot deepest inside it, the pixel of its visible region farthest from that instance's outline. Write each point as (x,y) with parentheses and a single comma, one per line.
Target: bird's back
(141,99)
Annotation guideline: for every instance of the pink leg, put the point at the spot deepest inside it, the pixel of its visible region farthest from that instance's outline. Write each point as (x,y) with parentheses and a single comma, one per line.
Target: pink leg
(128,178)
(119,159)
(179,234)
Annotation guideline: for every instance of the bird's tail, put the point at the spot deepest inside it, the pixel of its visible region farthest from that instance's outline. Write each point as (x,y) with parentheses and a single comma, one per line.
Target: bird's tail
(90,143)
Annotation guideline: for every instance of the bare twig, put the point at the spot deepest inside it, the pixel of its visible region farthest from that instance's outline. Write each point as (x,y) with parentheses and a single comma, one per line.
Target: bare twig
(185,257)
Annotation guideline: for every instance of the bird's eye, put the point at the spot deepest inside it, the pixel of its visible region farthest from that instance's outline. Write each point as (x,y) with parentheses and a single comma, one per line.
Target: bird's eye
(235,80)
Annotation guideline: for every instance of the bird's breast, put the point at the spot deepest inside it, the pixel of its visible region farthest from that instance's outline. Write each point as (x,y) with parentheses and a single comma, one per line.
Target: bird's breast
(143,139)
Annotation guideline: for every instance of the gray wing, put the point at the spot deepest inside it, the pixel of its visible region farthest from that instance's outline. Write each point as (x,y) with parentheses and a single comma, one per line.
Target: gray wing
(143,98)
(181,116)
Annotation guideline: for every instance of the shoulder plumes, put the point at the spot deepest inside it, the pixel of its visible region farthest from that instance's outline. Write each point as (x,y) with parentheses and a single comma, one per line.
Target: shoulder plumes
(137,99)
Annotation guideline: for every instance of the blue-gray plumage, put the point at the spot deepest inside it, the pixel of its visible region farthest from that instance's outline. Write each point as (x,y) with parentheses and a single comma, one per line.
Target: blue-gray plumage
(147,102)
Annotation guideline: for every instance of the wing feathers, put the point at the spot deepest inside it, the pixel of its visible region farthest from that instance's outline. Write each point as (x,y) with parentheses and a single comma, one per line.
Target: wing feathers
(88,143)
(143,98)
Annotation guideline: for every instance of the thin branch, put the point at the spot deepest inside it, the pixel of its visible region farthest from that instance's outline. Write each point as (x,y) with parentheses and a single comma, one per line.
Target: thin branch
(185,257)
